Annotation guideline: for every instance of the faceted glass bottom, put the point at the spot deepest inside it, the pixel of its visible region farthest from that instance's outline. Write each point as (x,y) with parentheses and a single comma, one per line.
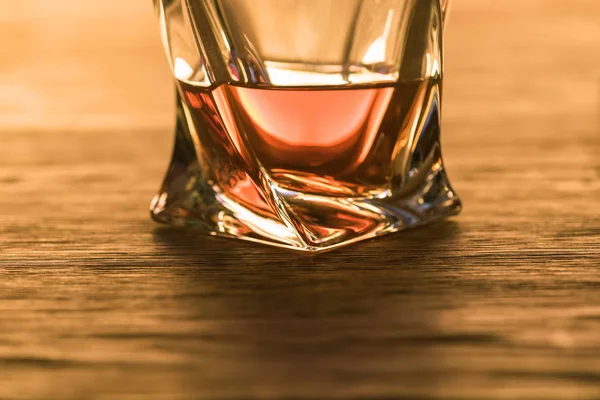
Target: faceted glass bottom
(309,170)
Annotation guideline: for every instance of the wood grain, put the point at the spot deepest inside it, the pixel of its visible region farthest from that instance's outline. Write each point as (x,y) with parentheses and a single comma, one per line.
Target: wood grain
(97,302)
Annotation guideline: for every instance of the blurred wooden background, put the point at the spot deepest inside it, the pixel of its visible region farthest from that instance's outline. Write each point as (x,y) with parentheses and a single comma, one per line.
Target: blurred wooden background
(97,302)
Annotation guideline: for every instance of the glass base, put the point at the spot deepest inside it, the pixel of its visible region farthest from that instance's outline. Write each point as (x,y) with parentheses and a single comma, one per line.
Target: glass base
(197,192)
(340,222)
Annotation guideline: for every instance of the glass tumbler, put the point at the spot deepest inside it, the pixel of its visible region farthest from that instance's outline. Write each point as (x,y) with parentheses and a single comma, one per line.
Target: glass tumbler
(306,124)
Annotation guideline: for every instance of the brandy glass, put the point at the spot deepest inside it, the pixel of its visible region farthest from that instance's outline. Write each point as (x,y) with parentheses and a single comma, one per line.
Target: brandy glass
(307,124)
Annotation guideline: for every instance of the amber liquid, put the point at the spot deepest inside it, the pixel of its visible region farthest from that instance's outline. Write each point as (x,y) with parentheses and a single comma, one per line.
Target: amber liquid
(333,142)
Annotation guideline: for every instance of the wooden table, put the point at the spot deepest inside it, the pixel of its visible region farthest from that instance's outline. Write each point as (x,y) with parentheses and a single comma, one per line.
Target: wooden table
(98,302)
